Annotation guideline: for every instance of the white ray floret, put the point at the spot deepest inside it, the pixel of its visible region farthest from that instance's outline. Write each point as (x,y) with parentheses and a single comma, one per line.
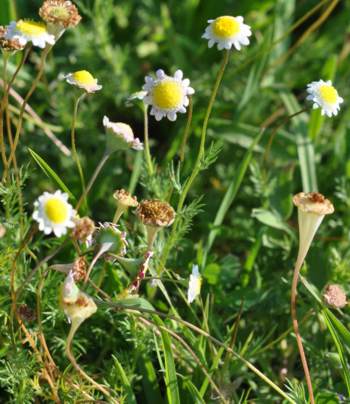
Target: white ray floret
(194,286)
(324,96)
(227,31)
(167,95)
(123,134)
(83,79)
(53,213)
(25,31)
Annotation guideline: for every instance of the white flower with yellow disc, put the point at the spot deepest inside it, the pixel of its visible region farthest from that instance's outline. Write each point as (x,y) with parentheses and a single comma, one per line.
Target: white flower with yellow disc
(194,286)
(83,79)
(25,31)
(167,95)
(227,31)
(324,96)
(53,213)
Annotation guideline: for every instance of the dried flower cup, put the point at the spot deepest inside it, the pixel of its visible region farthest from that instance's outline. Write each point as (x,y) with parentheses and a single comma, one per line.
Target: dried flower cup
(124,201)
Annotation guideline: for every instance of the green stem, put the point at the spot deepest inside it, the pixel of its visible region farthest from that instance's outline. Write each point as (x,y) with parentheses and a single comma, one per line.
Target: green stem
(146,142)
(73,140)
(197,166)
(2,137)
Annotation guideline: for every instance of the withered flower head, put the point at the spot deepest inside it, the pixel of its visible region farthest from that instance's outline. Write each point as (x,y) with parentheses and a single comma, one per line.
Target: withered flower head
(60,12)
(79,269)
(313,202)
(156,213)
(125,199)
(8,45)
(84,228)
(334,296)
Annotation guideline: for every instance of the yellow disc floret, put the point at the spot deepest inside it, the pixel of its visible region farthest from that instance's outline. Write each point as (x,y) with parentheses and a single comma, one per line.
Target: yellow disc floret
(31,28)
(84,77)
(56,210)
(168,94)
(328,94)
(225,27)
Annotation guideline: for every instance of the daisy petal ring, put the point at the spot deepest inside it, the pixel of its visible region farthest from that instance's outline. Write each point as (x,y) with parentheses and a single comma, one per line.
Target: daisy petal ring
(227,31)
(324,96)
(167,95)
(83,79)
(25,31)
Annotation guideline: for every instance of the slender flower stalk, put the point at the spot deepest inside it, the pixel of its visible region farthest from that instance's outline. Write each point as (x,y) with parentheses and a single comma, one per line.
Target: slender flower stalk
(148,157)
(312,208)
(73,140)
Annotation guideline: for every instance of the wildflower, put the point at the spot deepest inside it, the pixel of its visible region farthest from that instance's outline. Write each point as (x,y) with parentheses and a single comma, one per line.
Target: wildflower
(334,296)
(84,228)
(324,96)
(9,45)
(77,305)
(194,286)
(120,136)
(124,201)
(312,208)
(54,213)
(227,31)
(83,79)
(155,215)
(60,13)
(167,95)
(26,313)
(25,31)
(78,268)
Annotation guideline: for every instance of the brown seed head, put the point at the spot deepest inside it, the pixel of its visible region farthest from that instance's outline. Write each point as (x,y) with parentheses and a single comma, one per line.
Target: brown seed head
(9,45)
(313,202)
(334,296)
(60,12)
(125,199)
(26,313)
(84,227)
(156,213)
(79,269)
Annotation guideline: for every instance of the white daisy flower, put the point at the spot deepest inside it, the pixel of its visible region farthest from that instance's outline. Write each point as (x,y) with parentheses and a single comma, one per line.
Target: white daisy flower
(25,31)
(324,96)
(83,79)
(54,213)
(122,136)
(227,31)
(194,286)
(167,95)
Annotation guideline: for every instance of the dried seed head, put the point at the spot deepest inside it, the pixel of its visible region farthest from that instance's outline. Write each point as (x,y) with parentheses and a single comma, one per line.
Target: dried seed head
(334,296)
(26,313)
(156,213)
(60,12)
(125,199)
(79,269)
(8,45)
(84,228)
(313,202)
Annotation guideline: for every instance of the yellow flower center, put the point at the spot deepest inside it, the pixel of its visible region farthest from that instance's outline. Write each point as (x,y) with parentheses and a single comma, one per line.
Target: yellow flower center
(226,27)
(31,28)
(56,210)
(167,94)
(328,94)
(84,77)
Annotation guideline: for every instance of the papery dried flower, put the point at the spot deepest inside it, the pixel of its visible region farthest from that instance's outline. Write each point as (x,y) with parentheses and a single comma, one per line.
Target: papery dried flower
(124,201)
(79,269)
(60,12)
(9,45)
(84,228)
(156,213)
(334,296)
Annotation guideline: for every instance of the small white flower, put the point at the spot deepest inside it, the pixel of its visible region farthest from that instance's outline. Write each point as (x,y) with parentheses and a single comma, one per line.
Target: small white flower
(123,135)
(324,96)
(227,31)
(25,31)
(194,286)
(167,95)
(83,79)
(54,213)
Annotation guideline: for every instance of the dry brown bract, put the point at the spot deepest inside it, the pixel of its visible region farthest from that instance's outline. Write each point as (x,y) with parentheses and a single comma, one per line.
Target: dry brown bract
(125,199)
(334,296)
(60,12)
(313,202)
(84,227)
(9,45)
(156,213)
(79,269)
